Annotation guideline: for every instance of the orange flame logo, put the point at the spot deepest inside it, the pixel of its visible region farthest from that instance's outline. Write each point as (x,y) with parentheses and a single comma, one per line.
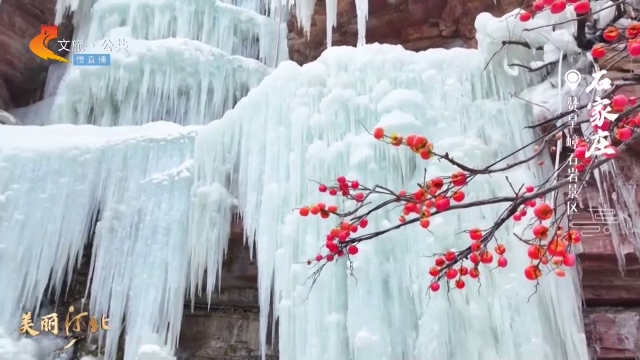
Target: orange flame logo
(38,44)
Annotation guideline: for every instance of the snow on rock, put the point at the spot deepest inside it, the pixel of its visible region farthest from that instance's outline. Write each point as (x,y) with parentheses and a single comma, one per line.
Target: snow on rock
(311,122)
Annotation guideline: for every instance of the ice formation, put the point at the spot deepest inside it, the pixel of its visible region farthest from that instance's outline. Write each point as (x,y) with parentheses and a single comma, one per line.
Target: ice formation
(166,193)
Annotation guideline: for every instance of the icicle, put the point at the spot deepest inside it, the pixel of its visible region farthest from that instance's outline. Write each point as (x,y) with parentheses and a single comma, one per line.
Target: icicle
(362,10)
(331,7)
(176,80)
(234,30)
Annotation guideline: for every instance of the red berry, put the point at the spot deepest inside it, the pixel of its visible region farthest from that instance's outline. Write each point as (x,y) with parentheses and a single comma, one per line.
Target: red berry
(352,250)
(538,6)
(625,134)
(304,211)
(475,234)
(598,51)
(440,262)
(460,284)
(443,204)
(355,184)
(359,197)
(530,189)
(525,16)
(459,178)
(364,222)
(332,208)
(517,217)
(634,48)
(342,180)
(532,272)
(435,287)
(378,133)
(333,192)
(582,7)
(319,257)
(434,271)
(458,196)
(452,274)
(502,262)
(425,223)
(315,210)
(558,6)
(330,257)
(331,246)
(322,188)
(450,256)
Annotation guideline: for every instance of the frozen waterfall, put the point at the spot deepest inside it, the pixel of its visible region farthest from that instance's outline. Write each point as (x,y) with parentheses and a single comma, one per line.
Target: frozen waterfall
(167,191)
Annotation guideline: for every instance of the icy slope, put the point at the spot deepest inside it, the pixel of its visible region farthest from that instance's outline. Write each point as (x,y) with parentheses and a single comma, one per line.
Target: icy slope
(307,123)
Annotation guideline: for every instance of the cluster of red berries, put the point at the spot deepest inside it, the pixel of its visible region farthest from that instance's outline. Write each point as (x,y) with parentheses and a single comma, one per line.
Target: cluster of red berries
(479,255)
(417,143)
(581,7)
(345,229)
(430,197)
(612,34)
(554,251)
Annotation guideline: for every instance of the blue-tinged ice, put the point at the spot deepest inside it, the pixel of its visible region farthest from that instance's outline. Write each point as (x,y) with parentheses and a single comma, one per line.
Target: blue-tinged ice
(310,122)
(55,180)
(177,80)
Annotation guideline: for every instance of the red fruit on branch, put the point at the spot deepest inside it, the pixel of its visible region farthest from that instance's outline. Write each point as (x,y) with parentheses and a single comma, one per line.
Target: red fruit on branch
(364,222)
(410,140)
(475,234)
(378,133)
(450,256)
(440,262)
(486,257)
(459,178)
(425,223)
(319,257)
(331,246)
(500,249)
(458,196)
(582,7)
(304,211)
(569,260)
(573,237)
(353,249)
(396,140)
(532,272)
(541,232)
(624,134)
(442,204)
(556,247)
(535,252)
(538,6)
(434,271)
(502,262)
(530,189)
(633,30)
(611,33)
(598,51)
(452,274)
(435,287)
(547,2)
(543,211)
(558,6)
(460,284)
(322,188)
(634,48)
(474,273)
(437,183)
(525,16)
(618,103)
